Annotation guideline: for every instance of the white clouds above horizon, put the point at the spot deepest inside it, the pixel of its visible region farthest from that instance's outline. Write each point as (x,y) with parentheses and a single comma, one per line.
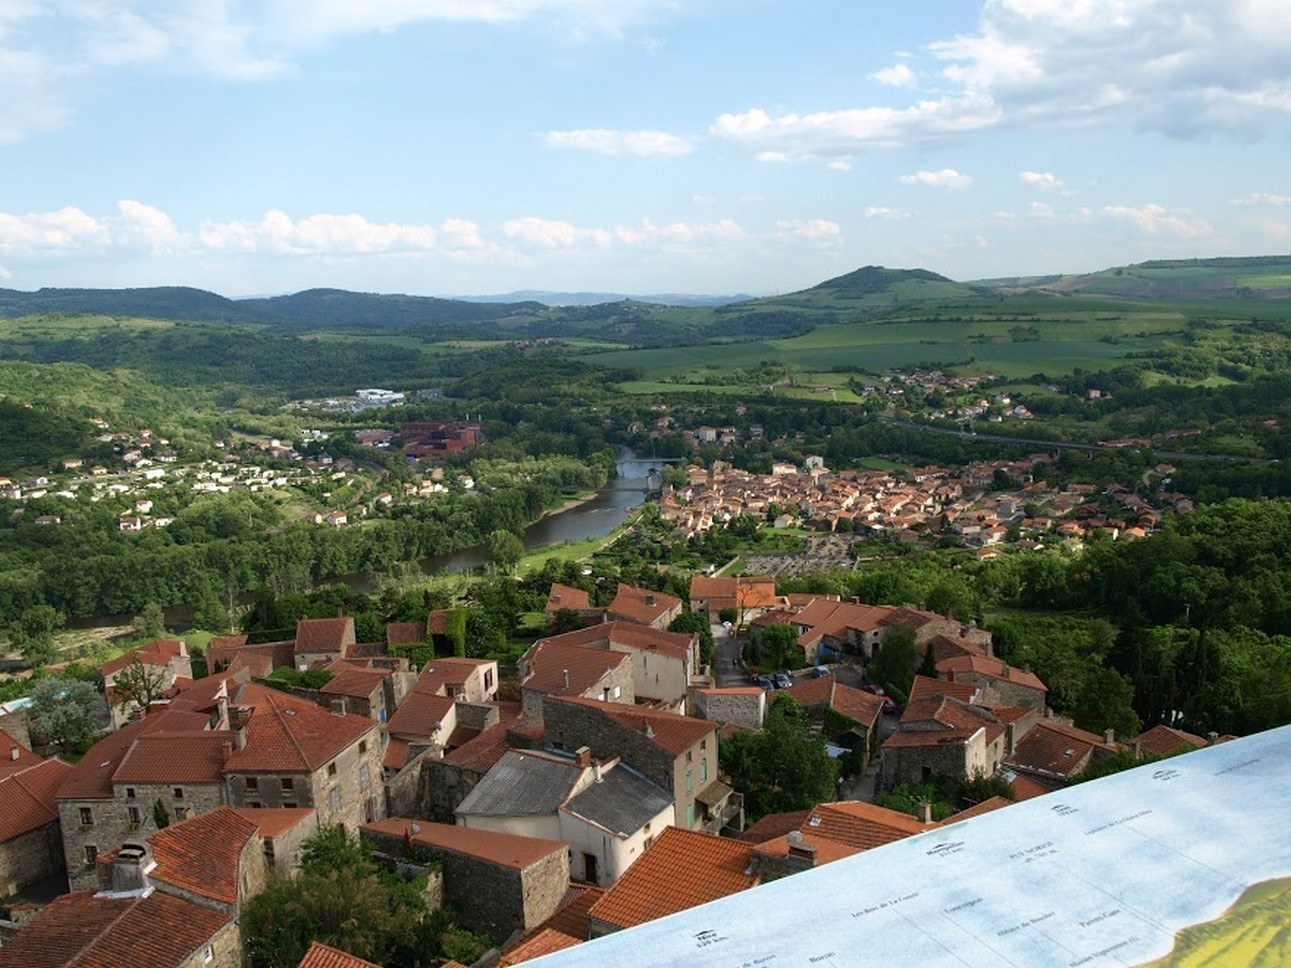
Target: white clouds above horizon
(882,211)
(947,178)
(1158,220)
(1043,180)
(898,75)
(606,141)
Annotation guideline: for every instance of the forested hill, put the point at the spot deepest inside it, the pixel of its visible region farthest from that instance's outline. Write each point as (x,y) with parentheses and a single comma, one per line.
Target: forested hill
(308,309)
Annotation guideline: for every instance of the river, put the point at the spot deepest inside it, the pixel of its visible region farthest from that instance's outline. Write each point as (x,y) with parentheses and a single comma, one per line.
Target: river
(596,517)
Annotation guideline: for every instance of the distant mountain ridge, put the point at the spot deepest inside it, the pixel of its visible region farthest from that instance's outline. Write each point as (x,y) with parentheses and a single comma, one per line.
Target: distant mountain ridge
(553,298)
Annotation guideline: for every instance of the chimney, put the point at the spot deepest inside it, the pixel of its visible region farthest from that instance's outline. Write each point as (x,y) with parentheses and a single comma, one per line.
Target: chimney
(566,671)
(989,649)
(239,723)
(1048,713)
(14,752)
(799,848)
(1138,749)
(1212,738)
(649,599)
(925,812)
(131,868)
(227,749)
(582,757)
(1109,736)
(596,770)
(647,731)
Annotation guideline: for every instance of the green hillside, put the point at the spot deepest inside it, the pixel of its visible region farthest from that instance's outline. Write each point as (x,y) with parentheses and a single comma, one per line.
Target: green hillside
(1257,277)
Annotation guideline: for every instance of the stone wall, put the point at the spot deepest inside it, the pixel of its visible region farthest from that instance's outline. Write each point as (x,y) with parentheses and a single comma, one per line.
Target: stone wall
(405,792)
(741,709)
(30,857)
(264,790)
(444,785)
(906,764)
(352,793)
(226,950)
(618,679)
(283,851)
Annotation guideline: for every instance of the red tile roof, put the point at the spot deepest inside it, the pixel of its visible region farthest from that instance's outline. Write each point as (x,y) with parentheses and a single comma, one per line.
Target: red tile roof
(290,735)
(826,851)
(670,731)
(548,662)
(28,797)
(563,596)
(321,955)
(82,931)
(544,942)
(165,757)
(1055,749)
(774,825)
(158,653)
(405,633)
(926,687)
(324,634)
(1163,740)
(641,605)
(681,870)
(482,752)
(993,668)
(272,821)
(14,757)
(860,825)
(91,778)
(506,850)
(627,635)
(352,682)
(202,855)
(420,714)
(977,809)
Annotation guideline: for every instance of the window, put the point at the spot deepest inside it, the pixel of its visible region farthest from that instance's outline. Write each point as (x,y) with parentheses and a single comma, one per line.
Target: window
(129,793)
(288,783)
(334,799)
(132,813)
(365,776)
(488,678)
(690,781)
(703,744)
(618,692)
(181,813)
(208,955)
(363,744)
(87,817)
(331,769)
(253,783)
(91,855)
(178,792)
(703,771)
(254,805)
(689,756)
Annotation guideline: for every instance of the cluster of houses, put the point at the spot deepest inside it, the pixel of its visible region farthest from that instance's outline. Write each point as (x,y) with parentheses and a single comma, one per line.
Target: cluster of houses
(584,799)
(917,504)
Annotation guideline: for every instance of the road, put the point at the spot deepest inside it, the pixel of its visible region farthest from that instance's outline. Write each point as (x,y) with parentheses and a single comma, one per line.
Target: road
(729,669)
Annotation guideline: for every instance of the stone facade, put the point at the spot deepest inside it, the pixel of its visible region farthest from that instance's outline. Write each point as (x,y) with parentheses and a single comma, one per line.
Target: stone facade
(224,949)
(405,791)
(745,708)
(615,686)
(30,857)
(913,765)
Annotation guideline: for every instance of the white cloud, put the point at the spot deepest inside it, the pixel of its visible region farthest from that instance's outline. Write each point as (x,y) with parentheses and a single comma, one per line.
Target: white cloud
(1157,220)
(1041,211)
(898,75)
(882,211)
(605,141)
(325,234)
(1043,180)
(821,231)
(839,164)
(945,178)
(1263,199)
(553,234)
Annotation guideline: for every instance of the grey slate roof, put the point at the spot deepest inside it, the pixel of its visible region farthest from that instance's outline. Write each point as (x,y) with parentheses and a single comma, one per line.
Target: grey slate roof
(623,802)
(522,785)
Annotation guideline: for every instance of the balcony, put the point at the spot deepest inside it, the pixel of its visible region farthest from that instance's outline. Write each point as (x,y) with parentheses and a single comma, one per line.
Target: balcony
(726,817)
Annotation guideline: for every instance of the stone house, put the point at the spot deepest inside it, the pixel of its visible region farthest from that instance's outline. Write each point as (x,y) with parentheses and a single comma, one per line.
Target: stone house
(663,663)
(1001,683)
(749,595)
(31,847)
(501,884)
(320,641)
(741,706)
(448,690)
(566,598)
(677,753)
(942,736)
(165,659)
(818,694)
(1054,750)
(322,955)
(218,743)
(643,606)
(551,668)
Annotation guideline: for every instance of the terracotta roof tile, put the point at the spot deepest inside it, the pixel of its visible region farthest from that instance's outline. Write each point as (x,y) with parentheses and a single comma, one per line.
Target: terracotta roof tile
(272,821)
(993,668)
(482,752)
(774,825)
(354,683)
(158,653)
(1055,749)
(166,757)
(563,596)
(420,714)
(91,777)
(641,605)
(405,633)
(1163,740)
(630,635)
(571,917)
(321,955)
(28,797)
(860,825)
(324,634)
(290,735)
(925,687)
(506,850)
(203,854)
(548,662)
(544,942)
(81,931)
(681,870)
(1026,787)
(14,757)
(977,809)
(826,851)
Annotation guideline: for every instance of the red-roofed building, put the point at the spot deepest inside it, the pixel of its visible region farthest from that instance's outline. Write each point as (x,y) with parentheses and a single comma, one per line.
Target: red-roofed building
(1163,741)
(741,706)
(82,930)
(31,847)
(663,663)
(163,662)
(500,883)
(818,694)
(1001,683)
(215,860)
(643,606)
(564,598)
(218,743)
(682,870)
(320,641)
(1054,750)
(748,595)
(551,668)
(941,736)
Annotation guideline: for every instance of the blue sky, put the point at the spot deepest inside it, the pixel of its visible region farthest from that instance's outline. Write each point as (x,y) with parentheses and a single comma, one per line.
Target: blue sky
(707,146)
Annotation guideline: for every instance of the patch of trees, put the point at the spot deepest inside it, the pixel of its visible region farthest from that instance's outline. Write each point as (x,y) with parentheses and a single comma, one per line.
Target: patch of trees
(782,767)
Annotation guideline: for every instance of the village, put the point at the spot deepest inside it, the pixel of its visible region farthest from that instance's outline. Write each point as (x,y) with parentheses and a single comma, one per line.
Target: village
(582,797)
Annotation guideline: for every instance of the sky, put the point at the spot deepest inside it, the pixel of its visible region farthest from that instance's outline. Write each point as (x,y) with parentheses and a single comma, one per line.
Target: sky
(444,147)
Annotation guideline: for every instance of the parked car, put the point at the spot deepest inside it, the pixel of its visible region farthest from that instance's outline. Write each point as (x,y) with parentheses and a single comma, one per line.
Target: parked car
(820,671)
(873,689)
(782,680)
(764,682)
(890,707)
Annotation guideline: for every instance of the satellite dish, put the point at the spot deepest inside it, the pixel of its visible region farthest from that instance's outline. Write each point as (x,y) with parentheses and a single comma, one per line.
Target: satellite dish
(416,828)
